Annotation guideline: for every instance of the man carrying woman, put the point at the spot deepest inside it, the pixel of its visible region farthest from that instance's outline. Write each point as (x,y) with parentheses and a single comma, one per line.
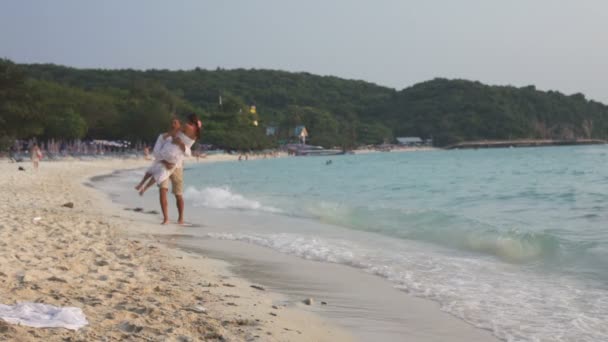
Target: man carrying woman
(169,151)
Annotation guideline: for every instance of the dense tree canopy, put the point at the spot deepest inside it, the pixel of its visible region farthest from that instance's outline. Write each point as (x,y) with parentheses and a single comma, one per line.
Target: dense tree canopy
(457,110)
(18,116)
(53,101)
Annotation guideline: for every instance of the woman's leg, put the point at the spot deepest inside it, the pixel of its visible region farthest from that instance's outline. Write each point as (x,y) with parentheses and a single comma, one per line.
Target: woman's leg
(150,183)
(143,180)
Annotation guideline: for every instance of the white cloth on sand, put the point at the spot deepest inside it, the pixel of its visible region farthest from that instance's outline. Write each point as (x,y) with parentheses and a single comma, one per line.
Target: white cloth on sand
(170,153)
(39,315)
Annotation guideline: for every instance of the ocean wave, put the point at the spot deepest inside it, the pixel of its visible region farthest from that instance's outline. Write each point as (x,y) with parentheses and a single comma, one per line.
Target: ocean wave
(224,198)
(512,246)
(431,226)
(447,230)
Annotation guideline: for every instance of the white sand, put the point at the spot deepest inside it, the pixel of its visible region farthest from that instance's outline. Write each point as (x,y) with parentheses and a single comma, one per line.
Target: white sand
(129,288)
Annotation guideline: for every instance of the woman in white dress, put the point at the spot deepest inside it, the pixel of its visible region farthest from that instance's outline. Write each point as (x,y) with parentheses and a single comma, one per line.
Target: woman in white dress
(171,154)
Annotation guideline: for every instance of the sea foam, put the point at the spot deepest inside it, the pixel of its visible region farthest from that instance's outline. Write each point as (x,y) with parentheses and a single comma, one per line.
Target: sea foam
(223,198)
(514,305)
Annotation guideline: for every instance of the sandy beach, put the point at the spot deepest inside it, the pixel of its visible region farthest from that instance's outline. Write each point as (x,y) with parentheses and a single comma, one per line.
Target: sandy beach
(129,288)
(138,280)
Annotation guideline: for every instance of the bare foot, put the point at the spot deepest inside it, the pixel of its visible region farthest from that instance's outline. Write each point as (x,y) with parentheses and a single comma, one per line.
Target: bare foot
(138,187)
(180,222)
(165,222)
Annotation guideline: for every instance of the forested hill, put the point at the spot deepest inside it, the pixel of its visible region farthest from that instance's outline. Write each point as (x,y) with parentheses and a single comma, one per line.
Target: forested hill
(134,104)
(458,110)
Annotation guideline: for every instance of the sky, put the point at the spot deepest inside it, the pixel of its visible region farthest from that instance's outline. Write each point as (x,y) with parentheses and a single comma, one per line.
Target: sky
(552,44)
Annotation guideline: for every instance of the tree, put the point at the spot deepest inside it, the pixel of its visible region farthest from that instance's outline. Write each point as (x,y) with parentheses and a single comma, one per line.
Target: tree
(68,125)
(373,134)
(18,119)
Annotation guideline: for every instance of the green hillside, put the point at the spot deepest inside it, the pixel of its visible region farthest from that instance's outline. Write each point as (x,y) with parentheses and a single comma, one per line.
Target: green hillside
(54,101)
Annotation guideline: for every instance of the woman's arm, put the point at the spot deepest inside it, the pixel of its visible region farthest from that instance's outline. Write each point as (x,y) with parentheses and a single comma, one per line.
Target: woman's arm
(177,141)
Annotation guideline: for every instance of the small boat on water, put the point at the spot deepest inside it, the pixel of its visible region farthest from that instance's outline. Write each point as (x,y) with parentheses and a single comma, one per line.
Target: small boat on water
(310,150)
(322,153)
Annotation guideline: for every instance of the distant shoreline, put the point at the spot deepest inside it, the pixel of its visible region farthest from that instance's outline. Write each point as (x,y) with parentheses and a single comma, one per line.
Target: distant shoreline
(523,143)
(396,149)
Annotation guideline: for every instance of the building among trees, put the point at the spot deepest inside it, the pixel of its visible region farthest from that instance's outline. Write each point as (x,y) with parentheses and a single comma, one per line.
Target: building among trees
(410,141)
(301,133)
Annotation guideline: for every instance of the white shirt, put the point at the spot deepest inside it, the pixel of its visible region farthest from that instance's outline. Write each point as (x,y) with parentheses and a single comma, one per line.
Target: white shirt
(161,141)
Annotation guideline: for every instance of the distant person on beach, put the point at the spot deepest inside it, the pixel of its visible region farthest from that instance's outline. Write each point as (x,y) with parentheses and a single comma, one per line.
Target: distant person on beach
(169,151)
(36,155)
(147,153)
(12,157)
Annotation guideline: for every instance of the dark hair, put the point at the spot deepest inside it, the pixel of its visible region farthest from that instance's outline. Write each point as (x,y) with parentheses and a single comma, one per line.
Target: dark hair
(193,120)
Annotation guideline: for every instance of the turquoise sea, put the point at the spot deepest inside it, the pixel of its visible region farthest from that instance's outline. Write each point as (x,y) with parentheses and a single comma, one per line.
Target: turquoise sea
(514,241)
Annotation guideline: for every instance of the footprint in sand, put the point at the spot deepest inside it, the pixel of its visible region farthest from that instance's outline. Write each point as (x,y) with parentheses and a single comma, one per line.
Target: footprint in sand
(129,328)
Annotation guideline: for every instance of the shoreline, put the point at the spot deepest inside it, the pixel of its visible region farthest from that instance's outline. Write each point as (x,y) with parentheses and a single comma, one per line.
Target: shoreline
(523,143)
(390,314)
(129,287)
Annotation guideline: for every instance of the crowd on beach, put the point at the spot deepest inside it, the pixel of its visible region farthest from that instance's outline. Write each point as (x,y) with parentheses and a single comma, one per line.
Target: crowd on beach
(53,149)
(60,148)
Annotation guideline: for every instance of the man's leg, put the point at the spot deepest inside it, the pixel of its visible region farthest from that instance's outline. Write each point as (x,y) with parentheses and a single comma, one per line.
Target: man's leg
(179,200)
(177,186)
(162,190)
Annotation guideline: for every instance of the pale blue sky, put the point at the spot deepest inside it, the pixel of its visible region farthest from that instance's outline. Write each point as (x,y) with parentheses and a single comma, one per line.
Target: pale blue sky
(554,44)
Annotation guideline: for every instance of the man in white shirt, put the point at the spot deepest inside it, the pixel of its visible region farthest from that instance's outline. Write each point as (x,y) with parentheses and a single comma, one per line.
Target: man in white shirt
(176,178)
